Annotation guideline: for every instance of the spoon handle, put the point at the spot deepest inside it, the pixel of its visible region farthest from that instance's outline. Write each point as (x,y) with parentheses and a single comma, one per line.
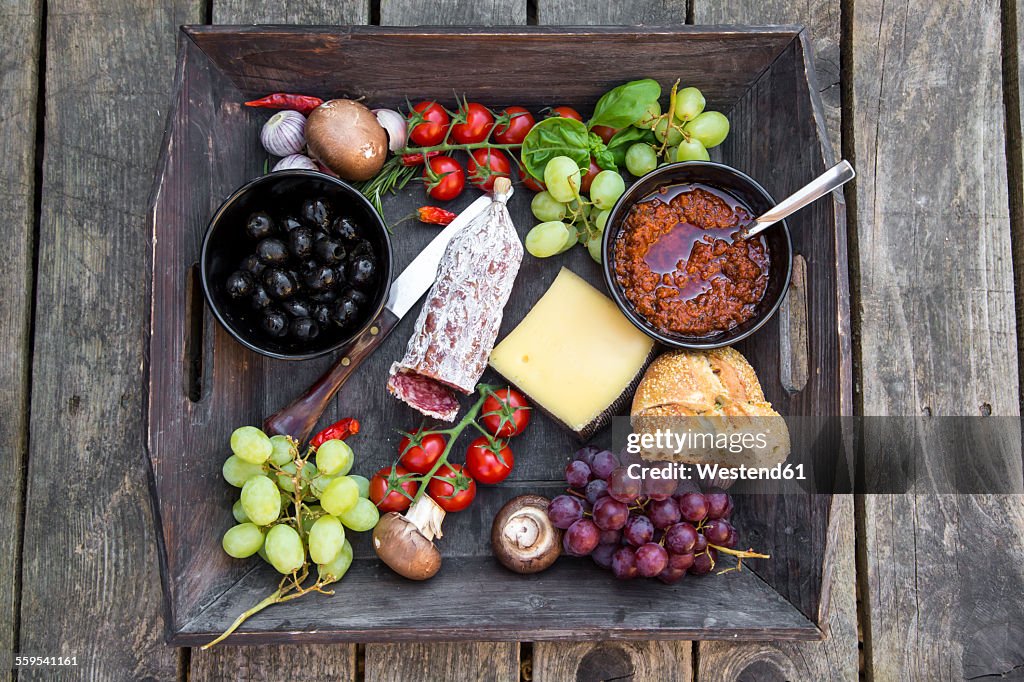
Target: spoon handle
(835,177)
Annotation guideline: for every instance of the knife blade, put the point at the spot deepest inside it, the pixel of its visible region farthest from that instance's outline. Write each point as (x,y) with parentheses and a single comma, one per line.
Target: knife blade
(299,417)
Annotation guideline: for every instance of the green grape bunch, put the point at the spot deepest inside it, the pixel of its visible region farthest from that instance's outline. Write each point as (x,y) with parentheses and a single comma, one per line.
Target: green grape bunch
(294,511)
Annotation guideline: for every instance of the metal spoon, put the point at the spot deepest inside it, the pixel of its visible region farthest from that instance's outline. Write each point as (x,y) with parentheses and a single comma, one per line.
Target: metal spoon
(835,177)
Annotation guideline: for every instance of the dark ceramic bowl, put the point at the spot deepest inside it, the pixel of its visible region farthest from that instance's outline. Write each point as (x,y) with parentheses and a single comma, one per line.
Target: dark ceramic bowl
(226,244)
(736,184)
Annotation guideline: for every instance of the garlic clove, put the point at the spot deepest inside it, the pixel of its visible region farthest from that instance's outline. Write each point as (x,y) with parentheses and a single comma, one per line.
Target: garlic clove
(395,124)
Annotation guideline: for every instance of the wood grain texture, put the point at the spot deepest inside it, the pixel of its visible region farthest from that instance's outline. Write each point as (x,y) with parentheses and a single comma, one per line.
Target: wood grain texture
(600,661)
(455,661)
(944,573)
(297,663)
(635,13)
(19,25)
(291,12)
(90,584)
(452,12)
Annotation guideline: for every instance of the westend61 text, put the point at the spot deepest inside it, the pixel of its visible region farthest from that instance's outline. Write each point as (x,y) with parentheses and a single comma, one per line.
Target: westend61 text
(685,472)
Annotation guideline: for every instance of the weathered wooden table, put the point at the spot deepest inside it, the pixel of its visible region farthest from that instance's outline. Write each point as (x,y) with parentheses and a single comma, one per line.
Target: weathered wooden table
(924,98)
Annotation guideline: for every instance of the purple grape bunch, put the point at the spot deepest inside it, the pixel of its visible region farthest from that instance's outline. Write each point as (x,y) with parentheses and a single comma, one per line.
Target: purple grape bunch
(640,528)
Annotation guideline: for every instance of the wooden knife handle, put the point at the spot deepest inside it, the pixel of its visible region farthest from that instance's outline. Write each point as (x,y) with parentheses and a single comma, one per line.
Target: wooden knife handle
(298,418)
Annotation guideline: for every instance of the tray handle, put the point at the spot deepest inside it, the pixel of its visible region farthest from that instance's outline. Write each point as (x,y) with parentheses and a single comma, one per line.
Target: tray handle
(301,415)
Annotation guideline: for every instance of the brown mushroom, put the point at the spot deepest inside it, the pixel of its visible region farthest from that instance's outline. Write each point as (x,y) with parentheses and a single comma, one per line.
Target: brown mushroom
(406,543)
(346,137)
(522,536)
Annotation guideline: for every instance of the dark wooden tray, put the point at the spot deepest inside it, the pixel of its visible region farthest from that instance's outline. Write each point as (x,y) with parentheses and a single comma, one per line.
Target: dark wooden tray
(201,384)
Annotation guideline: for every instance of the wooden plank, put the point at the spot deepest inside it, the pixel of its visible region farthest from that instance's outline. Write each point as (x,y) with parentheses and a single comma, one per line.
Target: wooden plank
(298,663)
(944,573)
(599,661)
(454,662)
(638,12)
(93,588)
(19,25)
(330,662)
(452,12)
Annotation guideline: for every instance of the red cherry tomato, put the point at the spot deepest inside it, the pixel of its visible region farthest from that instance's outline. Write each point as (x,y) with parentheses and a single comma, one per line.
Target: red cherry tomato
(384,489)
(604,132)
(454,490)
(505,413)
(429,123)
(514,132)
(485,166)
(477,124)
(444,178)
(530,182)
(489,463)
(566,112)
(420,453)
(588,177)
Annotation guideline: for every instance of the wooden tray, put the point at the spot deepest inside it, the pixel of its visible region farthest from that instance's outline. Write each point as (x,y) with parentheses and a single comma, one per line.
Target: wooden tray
(202,384)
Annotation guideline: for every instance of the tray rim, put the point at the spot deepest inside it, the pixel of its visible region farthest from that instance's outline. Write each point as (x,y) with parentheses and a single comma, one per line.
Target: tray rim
(177,634)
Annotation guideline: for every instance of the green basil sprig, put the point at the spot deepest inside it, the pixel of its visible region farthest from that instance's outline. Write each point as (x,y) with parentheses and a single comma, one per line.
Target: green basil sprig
(621,106)
(555,137)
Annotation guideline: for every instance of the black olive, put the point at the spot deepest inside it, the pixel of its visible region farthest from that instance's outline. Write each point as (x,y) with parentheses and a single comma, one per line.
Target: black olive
(272,251)
(253,264)
(300,242)
(259,299)
(361,272)
(297,307)
(322,314)
(320,278)
(289,223)
(260,225)
(279,284)
(356,296)
(274,322)
(345,228)
(315,213)
(304,329)
(325,296)
(329,251)
(344,312)
(240,284)
(340,269)
(360,249)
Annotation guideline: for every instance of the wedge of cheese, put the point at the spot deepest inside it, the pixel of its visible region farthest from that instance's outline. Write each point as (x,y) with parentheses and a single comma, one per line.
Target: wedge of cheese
(575,355)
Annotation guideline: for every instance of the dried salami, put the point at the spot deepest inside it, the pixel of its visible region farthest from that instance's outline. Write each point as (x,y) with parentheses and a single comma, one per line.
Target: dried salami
(459,321)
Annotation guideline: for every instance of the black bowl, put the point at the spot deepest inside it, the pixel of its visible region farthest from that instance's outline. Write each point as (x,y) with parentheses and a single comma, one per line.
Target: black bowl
(732,182)
(226,244)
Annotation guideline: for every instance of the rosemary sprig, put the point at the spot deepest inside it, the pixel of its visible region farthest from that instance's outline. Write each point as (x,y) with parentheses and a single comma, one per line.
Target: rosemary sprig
(392,177)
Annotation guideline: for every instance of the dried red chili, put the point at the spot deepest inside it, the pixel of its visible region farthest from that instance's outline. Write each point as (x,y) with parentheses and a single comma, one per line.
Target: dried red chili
(434,215)
(339,430)
(304,104)
(417,159)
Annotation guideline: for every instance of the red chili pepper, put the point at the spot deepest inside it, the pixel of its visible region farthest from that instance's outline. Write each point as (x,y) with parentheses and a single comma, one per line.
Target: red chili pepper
(433,215)
(339,430)
(417,159)
(304,104)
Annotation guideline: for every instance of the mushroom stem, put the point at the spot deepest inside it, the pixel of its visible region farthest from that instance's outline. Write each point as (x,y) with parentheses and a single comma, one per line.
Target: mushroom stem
(427,515)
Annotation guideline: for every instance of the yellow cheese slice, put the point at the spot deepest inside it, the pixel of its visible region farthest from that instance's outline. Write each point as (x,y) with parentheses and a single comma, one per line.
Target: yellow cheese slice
(574,354)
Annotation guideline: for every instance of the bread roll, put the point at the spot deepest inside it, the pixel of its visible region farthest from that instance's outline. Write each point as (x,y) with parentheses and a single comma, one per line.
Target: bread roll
(708,392)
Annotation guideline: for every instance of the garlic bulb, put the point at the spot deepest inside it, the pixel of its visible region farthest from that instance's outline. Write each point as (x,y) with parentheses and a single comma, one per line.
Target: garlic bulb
(291,161)
(284,133)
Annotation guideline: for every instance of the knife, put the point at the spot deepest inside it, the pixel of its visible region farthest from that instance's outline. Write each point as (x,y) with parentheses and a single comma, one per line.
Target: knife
(301,415)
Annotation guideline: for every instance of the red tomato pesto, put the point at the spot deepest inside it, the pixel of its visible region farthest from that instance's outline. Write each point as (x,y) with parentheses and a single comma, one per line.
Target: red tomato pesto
(679,267)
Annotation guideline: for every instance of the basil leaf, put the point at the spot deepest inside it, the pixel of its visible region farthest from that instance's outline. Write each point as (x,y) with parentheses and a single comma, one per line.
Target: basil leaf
(555,137)
(602,156)
(626,138)
(622,105)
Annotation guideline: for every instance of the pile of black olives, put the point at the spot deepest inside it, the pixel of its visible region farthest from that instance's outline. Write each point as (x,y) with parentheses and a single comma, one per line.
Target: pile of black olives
(309,275)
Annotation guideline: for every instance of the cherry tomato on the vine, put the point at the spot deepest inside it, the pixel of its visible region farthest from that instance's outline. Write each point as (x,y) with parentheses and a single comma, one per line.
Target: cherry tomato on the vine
(505,413)
(589,176)
(489,463)
(476,126)
(444,178)
(451,488)
(529,181)
(565,112)
(486,165)
(384,489)
(432,126)
(421,452)
(604,132)
(514,132)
